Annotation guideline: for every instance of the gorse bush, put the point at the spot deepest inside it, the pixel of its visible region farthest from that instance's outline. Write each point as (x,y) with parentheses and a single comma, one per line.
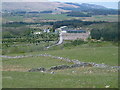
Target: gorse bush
(77,42)
(74,43)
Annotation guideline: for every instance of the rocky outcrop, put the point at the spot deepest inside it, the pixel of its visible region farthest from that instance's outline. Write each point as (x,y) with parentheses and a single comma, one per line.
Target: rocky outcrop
(60,67)
(41,69)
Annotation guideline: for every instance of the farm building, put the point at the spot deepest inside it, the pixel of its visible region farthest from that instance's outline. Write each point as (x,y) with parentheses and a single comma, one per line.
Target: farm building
(74,31)
(37,32)
(72,34)
(75,34)
(46,30)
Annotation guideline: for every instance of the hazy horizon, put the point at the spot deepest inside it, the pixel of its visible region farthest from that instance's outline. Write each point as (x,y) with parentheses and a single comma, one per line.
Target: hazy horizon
(107,3)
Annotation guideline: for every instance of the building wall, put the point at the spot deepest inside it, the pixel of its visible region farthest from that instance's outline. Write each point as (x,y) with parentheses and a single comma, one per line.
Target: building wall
(74,36)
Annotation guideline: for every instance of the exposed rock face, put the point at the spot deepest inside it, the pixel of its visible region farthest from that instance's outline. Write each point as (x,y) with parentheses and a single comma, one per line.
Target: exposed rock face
(59,67)
(76,65)
(37,69)
(71,66)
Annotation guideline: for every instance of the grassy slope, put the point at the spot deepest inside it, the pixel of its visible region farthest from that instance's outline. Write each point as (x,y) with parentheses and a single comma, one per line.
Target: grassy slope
(24,64)
(25,47)
(97,78)
(80,79)
(107,55)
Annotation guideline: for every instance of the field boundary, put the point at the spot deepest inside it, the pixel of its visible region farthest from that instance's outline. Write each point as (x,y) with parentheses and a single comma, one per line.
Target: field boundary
(65,59)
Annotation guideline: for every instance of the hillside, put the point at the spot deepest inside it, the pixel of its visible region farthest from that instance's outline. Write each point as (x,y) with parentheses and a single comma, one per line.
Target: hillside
(35,6)
(86,5)
(41,6)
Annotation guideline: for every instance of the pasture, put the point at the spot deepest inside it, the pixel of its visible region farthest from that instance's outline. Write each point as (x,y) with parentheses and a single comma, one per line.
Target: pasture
(15,73)
(13,18)
(34,18)
(38,17)
(82,78)
(54,16)
(109,18)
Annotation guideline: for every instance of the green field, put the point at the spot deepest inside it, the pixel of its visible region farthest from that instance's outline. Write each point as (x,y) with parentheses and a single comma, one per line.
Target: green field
(65,79)
(107,55)
(13,18)
(25,64)
(110,18)
(32,18)
(24,47)
(15,73)
(54,16)
(104,52)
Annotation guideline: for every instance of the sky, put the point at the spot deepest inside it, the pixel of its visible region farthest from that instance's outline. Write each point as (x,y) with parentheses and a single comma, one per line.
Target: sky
(86,0)
(61,0)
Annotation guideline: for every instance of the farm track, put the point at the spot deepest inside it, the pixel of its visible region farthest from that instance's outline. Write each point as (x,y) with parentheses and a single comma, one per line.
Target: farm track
(74,61)
(59,42)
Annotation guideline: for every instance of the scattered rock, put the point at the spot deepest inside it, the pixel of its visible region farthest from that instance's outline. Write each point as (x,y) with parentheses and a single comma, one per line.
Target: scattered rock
(116,67)
(100,65)
(73,71)
(52,72)
(107,86)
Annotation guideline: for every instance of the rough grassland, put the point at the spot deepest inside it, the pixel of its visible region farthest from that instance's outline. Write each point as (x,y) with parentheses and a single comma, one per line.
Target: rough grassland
(98,79)
(24,64)
(107,55)
(110,18)
(15,75)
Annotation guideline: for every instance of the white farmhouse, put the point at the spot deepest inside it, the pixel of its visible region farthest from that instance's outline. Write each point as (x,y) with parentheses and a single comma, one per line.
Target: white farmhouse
(37,32)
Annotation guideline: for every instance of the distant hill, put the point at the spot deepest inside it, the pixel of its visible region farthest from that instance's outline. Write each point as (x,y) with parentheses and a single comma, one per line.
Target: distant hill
(35,6)
(45,6)
(86,5)
(90,9)
(57,7)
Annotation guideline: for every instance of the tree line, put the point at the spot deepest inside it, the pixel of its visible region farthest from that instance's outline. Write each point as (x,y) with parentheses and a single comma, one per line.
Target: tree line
(78,14)
(108,33)
(74,23)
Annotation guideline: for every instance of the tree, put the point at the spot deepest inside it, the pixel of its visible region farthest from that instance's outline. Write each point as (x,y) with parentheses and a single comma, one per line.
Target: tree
(96,34)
